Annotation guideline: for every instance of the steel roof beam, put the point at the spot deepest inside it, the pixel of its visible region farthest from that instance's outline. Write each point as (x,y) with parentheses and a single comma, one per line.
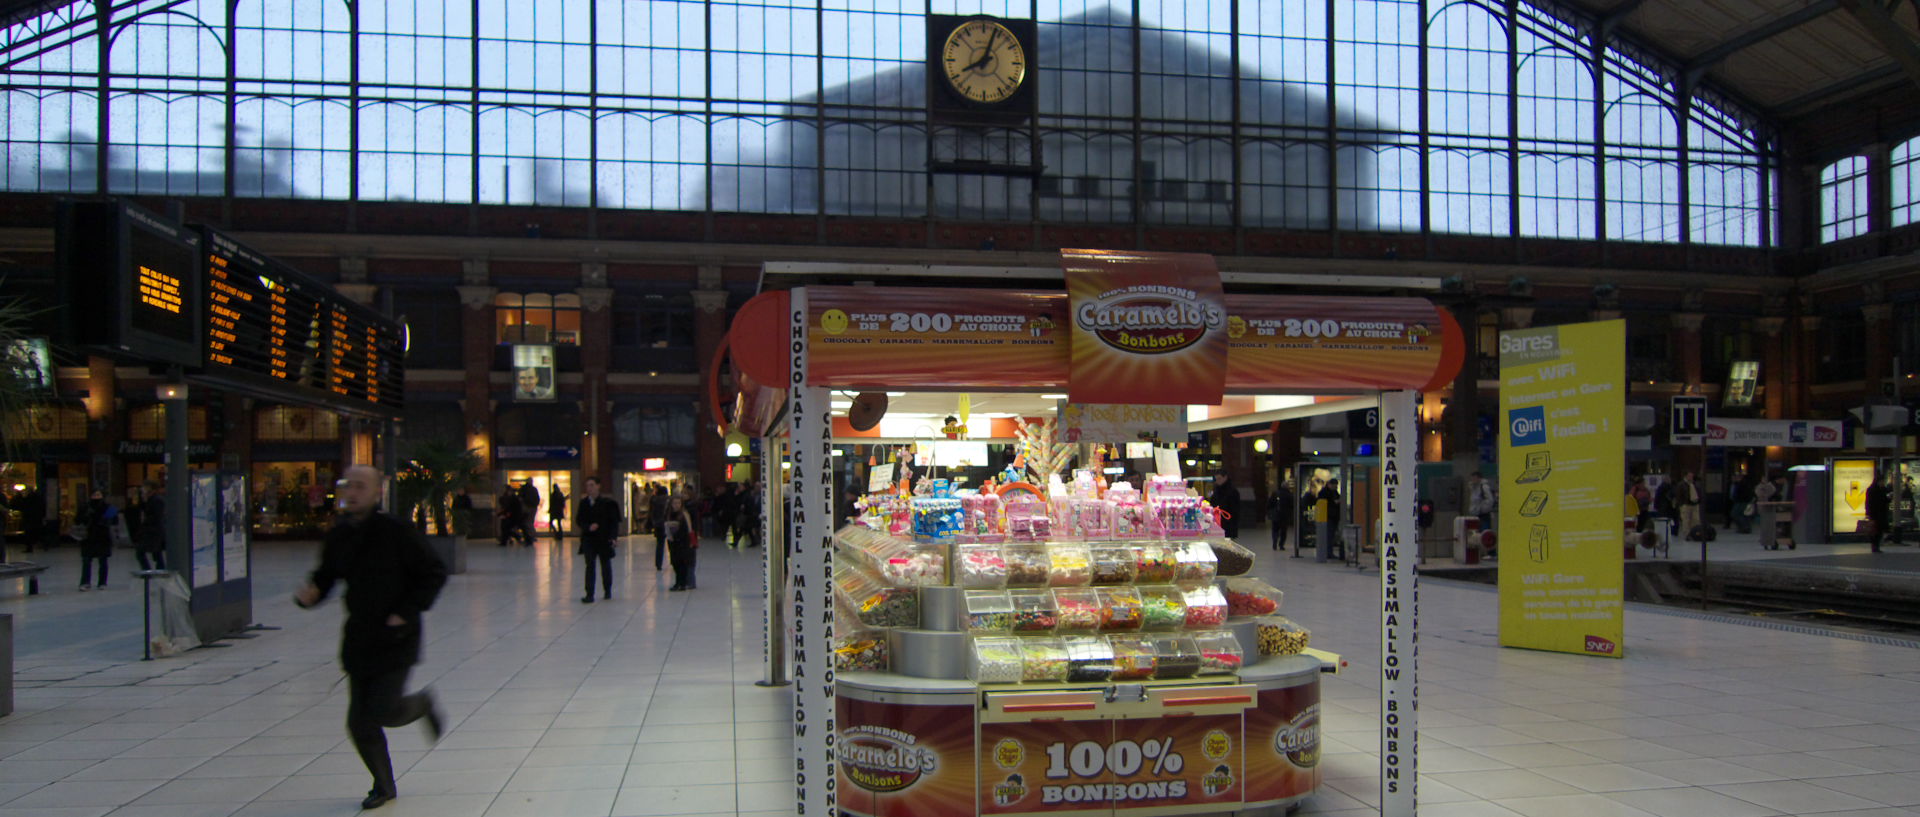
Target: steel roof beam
(1895,39)
(1705,60)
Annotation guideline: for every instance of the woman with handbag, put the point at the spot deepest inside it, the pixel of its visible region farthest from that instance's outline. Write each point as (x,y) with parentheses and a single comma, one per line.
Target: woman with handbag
(678,531)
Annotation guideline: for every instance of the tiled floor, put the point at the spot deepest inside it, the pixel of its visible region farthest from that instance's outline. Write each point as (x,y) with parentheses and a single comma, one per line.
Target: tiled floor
(646,706)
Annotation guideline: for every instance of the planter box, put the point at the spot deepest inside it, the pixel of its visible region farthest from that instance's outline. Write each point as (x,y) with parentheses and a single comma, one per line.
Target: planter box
(452,551)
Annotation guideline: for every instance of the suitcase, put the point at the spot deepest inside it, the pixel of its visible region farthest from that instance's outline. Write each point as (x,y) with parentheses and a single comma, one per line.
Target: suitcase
(1701,533)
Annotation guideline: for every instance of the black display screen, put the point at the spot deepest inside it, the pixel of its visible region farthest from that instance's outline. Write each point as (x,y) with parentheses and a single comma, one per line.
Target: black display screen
(273,328)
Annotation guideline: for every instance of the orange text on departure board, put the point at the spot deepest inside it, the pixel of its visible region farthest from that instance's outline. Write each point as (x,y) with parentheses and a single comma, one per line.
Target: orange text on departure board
(159,290)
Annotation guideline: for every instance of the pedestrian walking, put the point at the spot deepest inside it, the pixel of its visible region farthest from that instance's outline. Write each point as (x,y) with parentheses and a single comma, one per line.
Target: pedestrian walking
(151,536)
(556,511)
(1879,511)
(681,543)
(1686,497)
(1226,498)
(529,511)
(1280,510)
(1480,499)
(747,521)
(509,512)
(98,544)
(392,579)
(599,522)
(656,520)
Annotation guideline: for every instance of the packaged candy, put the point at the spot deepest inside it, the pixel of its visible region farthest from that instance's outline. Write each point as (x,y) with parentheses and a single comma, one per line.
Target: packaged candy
(1206,607)
(1251,597)
(980,566)
(989,612)
(1078,610)
(1175,657)
(997,660)
(937,519)
(1219,652)
(1131,519)
(986,516)
(1120,610)
(1089,659)
(1087,518)
(1027,519)
(1180,516)
(1033,611)
(1165,487)
(1158,564)
(1279,635)
(1114,564)
(1196,563)
(1133,657)
(1233,559)
(1164,607)
(861,650)
(1027,565)
(1070,566)
(1043,659)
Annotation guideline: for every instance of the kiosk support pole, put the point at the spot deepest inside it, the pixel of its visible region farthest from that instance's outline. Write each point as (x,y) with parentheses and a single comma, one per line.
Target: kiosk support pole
(810,573)
(179,505)
(1399,608)
(773,541)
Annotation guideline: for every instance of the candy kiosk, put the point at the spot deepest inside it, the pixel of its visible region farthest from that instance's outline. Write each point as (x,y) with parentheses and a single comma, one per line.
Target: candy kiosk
(1048,641)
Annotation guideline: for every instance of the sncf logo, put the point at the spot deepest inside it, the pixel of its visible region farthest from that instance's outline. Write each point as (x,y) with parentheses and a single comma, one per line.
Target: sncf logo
(1602,646)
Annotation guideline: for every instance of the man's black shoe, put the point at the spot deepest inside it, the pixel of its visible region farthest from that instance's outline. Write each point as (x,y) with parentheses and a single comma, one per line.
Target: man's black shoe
(587,599)
(376,799)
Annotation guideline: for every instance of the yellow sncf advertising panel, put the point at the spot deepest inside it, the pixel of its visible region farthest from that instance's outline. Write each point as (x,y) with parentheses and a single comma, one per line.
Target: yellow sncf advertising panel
(1562,478)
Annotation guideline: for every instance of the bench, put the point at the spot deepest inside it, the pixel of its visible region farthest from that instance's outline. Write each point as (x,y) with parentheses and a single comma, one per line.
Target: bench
(31,570)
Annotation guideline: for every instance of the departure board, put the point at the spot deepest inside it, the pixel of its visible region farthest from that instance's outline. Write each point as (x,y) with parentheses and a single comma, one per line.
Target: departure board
(130,283)
(272,329)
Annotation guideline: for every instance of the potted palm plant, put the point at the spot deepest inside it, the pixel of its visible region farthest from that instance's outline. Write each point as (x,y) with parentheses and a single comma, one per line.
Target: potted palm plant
(425,486)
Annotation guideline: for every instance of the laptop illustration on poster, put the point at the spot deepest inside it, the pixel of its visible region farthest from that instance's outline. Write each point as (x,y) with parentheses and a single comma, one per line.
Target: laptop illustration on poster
(1539,465)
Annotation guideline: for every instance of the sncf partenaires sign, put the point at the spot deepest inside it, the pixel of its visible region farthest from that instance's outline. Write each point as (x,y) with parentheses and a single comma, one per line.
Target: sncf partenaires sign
(1147,327)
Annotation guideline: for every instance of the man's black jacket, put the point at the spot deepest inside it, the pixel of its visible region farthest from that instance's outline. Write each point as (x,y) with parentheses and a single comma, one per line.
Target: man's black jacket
(599,511)
(389,570)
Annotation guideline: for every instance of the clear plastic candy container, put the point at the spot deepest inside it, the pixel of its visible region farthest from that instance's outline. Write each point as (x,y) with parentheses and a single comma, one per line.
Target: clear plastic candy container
(1165,607)
(996,660)
(1043,659)
(1175,656)
(1115,564)
(1196,563)
(1028,565)
(989,612)
(1206,607)
(1034,611)
(1078,608)
(1219,652)
(979,566)
(1134,657)
(1248,597)
(1089,659)
(1279,635)
(1069,566)
(1120,610)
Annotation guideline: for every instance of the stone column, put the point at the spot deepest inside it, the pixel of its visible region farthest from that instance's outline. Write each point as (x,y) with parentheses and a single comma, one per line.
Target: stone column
(596,356)
(1878,336)
(709,327)
(1686,348)
(477,343)
(1773,364)
(1462,414)
(105,428)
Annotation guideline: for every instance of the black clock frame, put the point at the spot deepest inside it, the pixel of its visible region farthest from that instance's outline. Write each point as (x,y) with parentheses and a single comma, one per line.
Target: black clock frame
(948,106)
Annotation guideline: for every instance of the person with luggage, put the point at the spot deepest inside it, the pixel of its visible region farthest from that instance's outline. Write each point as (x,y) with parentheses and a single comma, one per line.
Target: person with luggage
(1642,504)
(1226,498)
(510,514)
(656,519)
(677,528)
(392,579)
(1686,498)
(599,522)
(98,544)
(529,511)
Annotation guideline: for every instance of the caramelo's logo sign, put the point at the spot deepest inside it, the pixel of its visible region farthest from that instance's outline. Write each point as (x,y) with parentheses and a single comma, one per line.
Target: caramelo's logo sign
(1299,740)
(883,760)
(1150,319)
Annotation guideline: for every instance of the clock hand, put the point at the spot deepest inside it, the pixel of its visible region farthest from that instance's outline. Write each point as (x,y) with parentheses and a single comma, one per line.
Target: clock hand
(986,54)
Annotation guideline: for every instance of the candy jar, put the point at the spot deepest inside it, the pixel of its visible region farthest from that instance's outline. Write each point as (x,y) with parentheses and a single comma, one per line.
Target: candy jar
(1043,659)
(1078,609)
(979,566)
(1120,610)
(1206,607)
(1034,611)
(997,660)
(1164,607)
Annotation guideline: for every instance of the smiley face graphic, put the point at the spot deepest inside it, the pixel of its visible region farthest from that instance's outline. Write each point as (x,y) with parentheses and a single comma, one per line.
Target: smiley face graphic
(1236,326)
(834,321)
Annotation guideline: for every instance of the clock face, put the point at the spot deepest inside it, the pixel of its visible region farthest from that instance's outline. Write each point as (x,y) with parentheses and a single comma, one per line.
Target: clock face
(983,61)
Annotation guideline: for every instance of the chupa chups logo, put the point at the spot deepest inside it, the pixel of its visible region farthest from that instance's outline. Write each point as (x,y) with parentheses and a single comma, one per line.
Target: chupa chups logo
(1150,320)
(1299,740)
(883,760)
(1596,644)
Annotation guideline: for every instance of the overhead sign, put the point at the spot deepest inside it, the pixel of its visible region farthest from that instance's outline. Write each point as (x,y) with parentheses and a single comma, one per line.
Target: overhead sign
(536,452)
(131,281)
(653,464)
(271,328)
(1123,423)
(1731,433)
(887,338)
(1561,472)
(1146,328)
(1687,420)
